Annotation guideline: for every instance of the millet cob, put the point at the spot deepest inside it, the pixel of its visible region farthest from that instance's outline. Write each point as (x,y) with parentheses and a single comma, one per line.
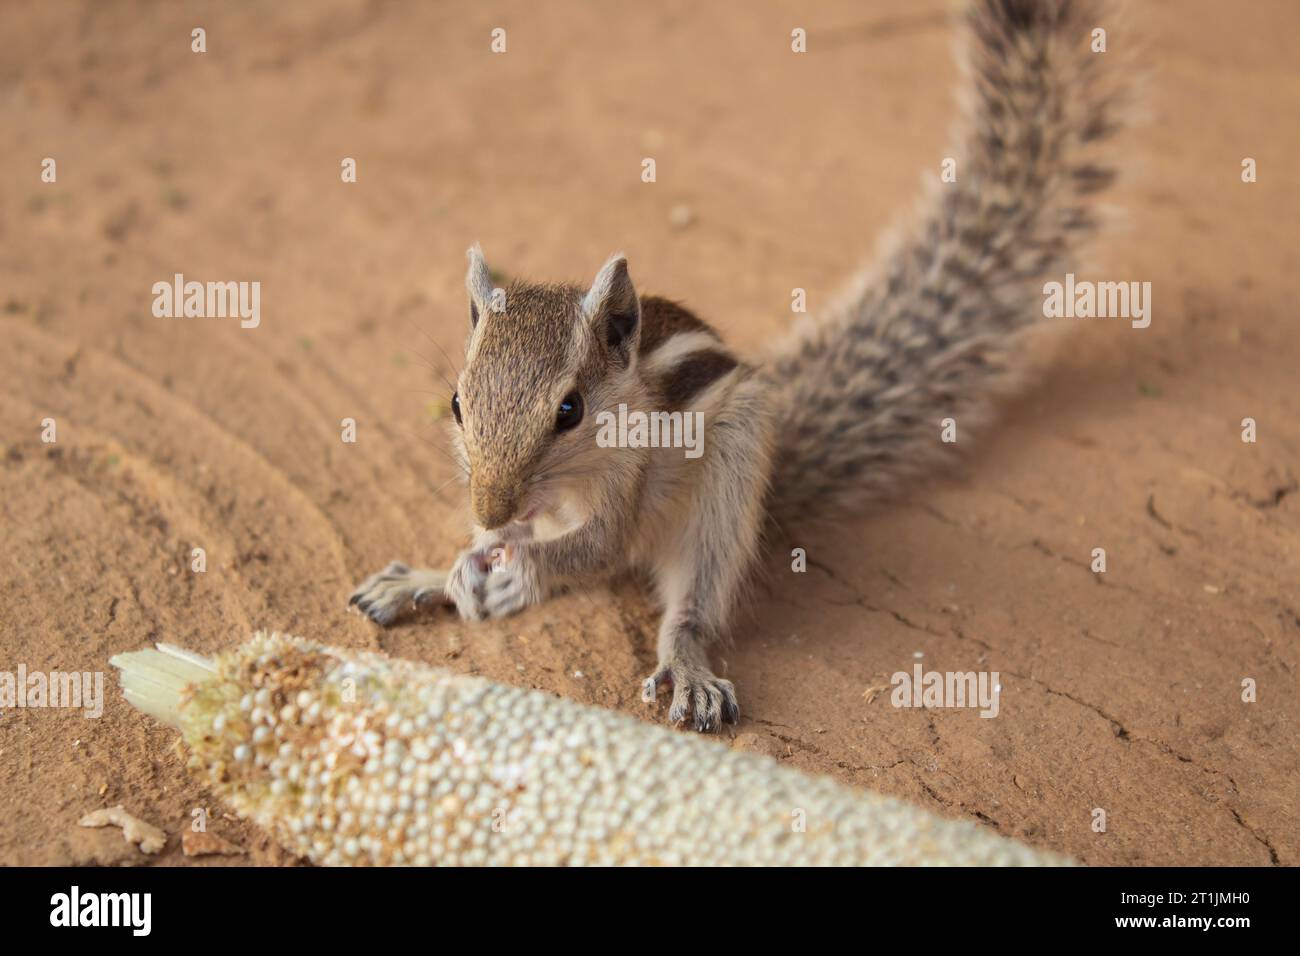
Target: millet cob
(352,758)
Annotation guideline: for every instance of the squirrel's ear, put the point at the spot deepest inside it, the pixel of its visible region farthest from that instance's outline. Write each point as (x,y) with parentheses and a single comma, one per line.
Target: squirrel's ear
(478,283)
(612,307)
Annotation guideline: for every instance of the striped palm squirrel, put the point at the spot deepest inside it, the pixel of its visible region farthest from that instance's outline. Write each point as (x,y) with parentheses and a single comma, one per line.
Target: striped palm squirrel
(843,411)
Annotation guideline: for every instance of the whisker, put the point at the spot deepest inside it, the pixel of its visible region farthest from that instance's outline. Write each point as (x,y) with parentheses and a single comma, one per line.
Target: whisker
(442,451)
(553,477)
(450,364)
(584,593)
(438,490)
(424,359)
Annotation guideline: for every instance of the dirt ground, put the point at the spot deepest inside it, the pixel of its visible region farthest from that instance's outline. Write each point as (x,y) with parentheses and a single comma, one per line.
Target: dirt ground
(1121,691)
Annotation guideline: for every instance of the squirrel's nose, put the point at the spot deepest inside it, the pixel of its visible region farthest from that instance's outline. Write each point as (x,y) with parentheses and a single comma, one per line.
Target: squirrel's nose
(493,507)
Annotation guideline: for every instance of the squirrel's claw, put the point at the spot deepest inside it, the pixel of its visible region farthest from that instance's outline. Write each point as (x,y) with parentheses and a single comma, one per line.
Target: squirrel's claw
(708,699)
(382,596)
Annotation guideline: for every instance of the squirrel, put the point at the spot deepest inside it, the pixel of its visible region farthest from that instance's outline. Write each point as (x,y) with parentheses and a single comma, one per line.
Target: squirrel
(847,408)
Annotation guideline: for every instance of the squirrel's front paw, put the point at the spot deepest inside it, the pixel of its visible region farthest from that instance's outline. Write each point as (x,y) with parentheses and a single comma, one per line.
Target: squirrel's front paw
(708,699)
(495,581)
(382,596)
(467,584)
(512,584)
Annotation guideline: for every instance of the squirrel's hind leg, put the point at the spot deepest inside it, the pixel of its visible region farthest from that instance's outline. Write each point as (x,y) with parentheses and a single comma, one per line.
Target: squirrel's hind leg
(707,562)
(382,596)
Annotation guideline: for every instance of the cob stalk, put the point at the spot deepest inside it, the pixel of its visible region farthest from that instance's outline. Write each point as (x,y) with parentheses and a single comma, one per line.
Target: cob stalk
(349,757)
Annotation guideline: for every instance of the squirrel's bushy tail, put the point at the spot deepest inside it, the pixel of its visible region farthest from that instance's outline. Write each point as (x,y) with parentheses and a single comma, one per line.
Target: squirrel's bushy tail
(929,333)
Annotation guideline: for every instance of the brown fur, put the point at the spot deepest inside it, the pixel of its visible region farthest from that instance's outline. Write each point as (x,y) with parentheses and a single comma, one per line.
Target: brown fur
(847,409)
(661,319)
(933,331)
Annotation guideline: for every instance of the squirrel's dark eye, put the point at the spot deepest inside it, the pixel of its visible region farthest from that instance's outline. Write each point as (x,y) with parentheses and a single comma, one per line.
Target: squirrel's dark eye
(455,406)
(570,412)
